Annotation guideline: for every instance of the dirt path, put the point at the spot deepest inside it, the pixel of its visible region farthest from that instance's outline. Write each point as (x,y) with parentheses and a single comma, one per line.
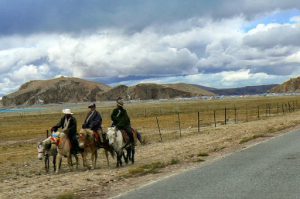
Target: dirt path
(153,161)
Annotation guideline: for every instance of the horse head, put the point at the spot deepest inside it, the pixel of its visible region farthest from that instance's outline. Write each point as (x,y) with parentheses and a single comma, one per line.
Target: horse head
(41,150)
(111,135)
(84,135)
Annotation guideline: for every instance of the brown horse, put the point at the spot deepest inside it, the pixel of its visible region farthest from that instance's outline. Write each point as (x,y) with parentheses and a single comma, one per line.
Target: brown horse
(64,150)
(88,144)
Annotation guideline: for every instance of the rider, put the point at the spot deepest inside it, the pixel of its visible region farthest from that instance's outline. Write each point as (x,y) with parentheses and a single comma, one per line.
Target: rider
(93,121)
(121,119)
(69,127)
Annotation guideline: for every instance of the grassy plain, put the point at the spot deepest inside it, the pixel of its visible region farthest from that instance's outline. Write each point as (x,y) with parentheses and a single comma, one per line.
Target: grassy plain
(19,134)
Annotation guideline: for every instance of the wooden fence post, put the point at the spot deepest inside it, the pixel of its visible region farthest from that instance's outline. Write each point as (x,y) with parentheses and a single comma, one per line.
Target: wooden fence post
(179,124)
(198,122)
(235,115)
(215,118)
(225,120)
(246,113)
(47,133)
(258,112)
(282,108)
(158,129)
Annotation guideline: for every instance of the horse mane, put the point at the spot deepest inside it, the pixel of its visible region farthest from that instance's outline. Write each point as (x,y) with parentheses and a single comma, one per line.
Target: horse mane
(86,132)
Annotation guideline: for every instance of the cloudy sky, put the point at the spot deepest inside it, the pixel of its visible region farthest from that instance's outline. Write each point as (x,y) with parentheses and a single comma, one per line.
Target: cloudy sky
(216,43)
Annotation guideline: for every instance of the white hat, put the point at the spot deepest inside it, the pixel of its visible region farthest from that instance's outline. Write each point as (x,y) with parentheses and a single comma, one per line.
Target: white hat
(67,111)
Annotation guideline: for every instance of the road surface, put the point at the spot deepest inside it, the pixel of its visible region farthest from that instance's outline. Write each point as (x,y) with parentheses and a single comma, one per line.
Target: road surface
(270,170)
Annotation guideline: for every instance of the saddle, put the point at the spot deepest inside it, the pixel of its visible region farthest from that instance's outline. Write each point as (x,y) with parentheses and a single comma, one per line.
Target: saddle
(126,138)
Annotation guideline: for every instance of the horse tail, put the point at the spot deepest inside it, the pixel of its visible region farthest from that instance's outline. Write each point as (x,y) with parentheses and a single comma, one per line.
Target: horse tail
(139,137)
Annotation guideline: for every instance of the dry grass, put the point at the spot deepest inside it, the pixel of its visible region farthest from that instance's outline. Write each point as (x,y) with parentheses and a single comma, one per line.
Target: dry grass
(19,134)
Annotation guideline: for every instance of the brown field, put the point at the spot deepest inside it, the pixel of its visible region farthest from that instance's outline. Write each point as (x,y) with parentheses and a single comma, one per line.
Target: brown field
(22,175)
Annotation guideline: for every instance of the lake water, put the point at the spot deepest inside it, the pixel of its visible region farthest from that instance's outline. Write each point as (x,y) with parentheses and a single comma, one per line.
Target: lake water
(21,110)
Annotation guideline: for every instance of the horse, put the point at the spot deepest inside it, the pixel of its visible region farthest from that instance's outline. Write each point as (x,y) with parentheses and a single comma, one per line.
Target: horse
(87,142)
(47,148)
(116,140)
(64,150)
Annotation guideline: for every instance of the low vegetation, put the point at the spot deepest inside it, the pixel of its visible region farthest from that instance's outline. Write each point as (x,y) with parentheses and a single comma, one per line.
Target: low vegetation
(20,133)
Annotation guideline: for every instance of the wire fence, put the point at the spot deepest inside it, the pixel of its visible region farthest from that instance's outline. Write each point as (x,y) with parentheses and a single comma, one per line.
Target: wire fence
(163,126)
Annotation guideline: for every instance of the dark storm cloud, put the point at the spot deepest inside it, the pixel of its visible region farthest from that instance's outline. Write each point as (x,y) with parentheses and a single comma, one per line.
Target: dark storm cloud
(31,16)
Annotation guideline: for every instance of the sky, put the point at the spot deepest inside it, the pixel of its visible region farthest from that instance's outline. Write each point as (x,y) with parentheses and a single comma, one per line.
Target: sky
(216,43)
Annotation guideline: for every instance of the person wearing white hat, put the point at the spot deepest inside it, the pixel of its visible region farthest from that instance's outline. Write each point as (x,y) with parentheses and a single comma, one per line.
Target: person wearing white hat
(69,126)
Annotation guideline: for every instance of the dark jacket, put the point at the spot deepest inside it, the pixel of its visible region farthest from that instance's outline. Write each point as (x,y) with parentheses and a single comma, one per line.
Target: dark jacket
(94,122)
(120,118)
(72,127)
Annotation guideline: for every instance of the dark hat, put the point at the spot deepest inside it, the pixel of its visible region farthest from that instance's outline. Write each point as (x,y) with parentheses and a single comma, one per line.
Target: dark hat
(120,101)
(92,105)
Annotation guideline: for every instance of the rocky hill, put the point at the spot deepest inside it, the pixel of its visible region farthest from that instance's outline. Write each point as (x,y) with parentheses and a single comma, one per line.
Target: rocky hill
(58,90)
(153,91)
(291,86)
(248,90)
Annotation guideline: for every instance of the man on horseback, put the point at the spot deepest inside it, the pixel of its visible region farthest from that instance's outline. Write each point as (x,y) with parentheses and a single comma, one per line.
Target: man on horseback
(121,119)
(69,127)
(93,121)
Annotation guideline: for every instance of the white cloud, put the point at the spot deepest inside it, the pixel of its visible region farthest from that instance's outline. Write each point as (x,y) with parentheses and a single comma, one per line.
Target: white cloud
(211,52)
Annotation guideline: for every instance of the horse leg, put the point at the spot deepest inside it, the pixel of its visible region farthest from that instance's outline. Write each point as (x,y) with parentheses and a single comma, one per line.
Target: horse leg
(69,157)
(77,162)
(106,155)
(54,162)
(96,156)
(132,154)
(47,163)
(125,156)
(58,166)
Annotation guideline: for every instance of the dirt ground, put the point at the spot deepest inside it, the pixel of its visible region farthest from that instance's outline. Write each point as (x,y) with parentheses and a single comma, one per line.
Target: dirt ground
(153,161)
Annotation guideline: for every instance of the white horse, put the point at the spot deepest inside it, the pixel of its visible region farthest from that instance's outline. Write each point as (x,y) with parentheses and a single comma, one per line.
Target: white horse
(47,148)
(116,140)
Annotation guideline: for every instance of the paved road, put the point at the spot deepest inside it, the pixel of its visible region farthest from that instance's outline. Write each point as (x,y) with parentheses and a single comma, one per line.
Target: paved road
(269,170)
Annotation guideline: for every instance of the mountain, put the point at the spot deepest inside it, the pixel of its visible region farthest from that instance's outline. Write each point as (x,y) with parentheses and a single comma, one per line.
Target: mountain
(291,86)
(65,89)
(59,90)
(248,90)
(153,91)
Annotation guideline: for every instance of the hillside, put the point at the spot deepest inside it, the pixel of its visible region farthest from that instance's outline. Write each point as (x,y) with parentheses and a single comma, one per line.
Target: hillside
(248,90)
(291,86)
(153,91)
(59,90)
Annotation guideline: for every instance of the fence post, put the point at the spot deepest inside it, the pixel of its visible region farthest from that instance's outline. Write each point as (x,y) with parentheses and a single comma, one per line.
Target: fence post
(47,133)
(225,116)
(246,113)
(158,128)
(179,124)
(198,122)
(282,108)
(258,112)
(215,118)
(235,115)
(277,108)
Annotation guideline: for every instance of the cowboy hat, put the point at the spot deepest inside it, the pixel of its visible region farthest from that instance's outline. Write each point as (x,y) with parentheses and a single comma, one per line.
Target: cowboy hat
(92,105)
(67,111)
